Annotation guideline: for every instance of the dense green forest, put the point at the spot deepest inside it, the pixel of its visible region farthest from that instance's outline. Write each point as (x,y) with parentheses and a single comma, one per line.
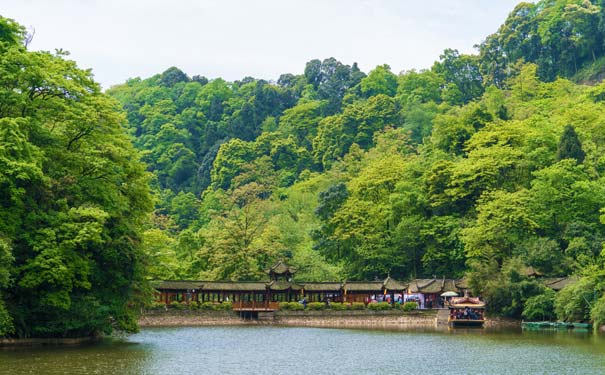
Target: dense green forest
(479,167)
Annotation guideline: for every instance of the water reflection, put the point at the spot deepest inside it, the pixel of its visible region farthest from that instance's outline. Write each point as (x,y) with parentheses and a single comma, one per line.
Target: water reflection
(106,357)
(280,350)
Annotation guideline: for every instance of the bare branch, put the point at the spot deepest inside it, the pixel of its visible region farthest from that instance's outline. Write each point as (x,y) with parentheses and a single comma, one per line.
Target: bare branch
(29,36)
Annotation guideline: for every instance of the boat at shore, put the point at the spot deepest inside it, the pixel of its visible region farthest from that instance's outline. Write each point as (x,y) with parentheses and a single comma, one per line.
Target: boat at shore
(466,312)
(555,325)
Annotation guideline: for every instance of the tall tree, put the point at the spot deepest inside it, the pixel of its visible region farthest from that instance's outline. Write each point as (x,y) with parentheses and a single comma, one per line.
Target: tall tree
(570,146)
(73,196)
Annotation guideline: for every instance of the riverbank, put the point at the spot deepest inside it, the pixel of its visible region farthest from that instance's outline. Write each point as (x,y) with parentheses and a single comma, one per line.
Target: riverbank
(390,319)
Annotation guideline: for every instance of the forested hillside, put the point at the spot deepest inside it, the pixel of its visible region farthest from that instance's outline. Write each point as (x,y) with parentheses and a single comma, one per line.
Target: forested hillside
(481,166)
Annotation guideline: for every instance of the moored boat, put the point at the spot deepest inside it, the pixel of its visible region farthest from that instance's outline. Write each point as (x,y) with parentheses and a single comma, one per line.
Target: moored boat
(555,325)
(466,312)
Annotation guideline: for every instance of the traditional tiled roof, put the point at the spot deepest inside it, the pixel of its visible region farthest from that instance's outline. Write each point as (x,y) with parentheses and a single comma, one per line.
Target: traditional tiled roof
(462,284)
(322,287)
(234,286)
(283,285)
(425,286)
(435,286)
(178,285)
(531,272)
(363,286)
(559,283)
(467,302)
(449,285)
(391,284)
(281,268)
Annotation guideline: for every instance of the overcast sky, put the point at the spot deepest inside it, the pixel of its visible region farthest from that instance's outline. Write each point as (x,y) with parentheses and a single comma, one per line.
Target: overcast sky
(232,39)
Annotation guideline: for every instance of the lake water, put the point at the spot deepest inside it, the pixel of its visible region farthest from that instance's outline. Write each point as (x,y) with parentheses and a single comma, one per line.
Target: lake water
(281,350)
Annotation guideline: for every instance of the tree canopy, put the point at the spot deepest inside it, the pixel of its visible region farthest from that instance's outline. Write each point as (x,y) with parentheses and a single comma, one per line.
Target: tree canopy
(73,196)
(479,167)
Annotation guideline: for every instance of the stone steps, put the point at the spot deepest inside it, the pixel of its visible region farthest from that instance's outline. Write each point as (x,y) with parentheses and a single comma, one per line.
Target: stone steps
(442,316)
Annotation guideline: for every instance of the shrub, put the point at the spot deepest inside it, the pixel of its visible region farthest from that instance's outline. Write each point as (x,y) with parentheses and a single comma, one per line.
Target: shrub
(206,306)
(156,305)
(284,305)
(6,321)
(338,306)
(194,305)
(379,306)
(296,306)
(409,306)
(597,314)
(178,305)
(224,306)
(572,302)
(357,306)
(316,306)
(540,307)
(293,306)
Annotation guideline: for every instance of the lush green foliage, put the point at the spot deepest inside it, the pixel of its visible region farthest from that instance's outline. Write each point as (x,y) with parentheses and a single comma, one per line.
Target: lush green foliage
(357,306)
(409,306)
(379,306)
(560,36)
(339,306)
(540,307)
(73,196)
(481,166)
(294,306)
(316,306)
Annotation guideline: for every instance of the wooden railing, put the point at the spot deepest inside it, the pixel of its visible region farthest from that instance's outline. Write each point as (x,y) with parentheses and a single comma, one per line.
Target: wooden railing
(254,305)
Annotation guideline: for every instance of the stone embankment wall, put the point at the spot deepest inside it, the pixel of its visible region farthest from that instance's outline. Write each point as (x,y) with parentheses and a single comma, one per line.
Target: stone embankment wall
(172,318)
(356,319)
(332,319)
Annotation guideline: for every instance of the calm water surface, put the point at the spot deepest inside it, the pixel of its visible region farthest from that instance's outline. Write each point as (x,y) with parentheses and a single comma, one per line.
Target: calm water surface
(279,350)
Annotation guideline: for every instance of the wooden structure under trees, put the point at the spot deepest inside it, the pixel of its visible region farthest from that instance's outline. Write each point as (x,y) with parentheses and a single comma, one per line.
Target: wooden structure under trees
(266,295)
(255,296)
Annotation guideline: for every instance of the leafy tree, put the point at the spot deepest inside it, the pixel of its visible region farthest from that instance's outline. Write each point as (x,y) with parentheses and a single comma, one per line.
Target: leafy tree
(462,73)
(540,307)
(73,199)
(161,257)
(569,146)
(573,303)
(172,76)
(506,292)
(379,81)
(6,258)
(184,209)
(239,245)
(331,79)
(503,220)
(229,161)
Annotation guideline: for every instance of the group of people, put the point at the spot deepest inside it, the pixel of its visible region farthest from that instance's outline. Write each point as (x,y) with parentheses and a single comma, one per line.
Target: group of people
(467,313)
